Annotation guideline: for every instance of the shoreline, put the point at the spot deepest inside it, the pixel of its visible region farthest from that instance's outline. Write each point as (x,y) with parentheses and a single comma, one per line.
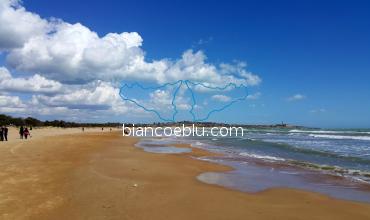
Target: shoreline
(104,176)
(327,184)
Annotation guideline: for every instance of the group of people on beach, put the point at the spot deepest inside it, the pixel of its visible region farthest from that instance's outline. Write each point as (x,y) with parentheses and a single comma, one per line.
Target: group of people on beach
(24,132)
(3,133)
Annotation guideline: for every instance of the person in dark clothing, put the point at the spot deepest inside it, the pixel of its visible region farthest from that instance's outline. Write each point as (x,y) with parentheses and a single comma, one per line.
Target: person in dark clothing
(26,133)
(5,133)
(21,130)
(1,134)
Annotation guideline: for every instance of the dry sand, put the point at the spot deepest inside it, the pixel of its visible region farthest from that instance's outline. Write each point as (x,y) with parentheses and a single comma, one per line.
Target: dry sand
(101,175)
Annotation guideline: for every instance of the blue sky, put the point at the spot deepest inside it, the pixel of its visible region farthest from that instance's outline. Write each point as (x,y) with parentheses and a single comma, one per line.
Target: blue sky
(319,50)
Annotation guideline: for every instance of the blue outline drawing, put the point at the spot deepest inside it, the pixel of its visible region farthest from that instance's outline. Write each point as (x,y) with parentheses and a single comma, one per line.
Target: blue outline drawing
(188,85)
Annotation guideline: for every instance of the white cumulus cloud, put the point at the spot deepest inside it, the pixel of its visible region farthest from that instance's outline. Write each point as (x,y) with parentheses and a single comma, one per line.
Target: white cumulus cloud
(69,69)
(11,104)
(72,53)
(17,25)
(35,83)
(96,95)
(221,98)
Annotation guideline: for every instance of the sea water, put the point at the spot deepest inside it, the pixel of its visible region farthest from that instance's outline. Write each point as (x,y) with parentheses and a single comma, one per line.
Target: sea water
(333,162)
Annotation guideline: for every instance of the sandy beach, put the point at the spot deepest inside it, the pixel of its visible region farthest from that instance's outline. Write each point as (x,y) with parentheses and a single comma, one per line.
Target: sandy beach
(70,174)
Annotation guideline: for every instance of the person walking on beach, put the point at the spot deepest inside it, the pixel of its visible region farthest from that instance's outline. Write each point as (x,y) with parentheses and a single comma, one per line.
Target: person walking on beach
(5,133)
(26,133)
(21,131)
(1,134)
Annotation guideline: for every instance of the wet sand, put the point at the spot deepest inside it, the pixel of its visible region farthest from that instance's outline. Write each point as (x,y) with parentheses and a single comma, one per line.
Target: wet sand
(101,175)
